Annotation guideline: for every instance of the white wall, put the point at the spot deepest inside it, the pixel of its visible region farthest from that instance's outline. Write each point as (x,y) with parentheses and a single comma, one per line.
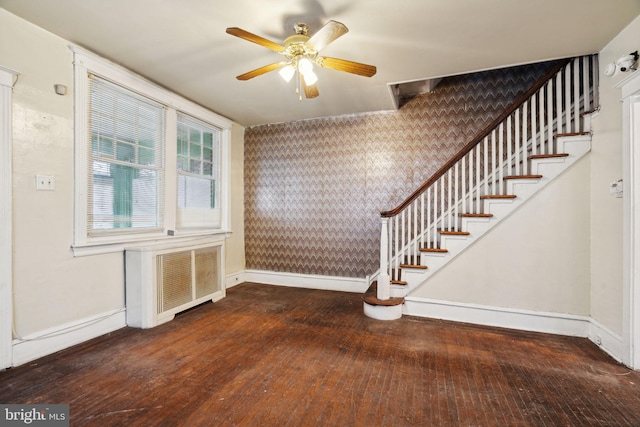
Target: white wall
(535,260)
(234,246)
(607,211)
(51,287)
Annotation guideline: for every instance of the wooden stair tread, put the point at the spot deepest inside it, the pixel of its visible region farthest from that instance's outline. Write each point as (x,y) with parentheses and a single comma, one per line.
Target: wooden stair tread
(398,282)
(454,233)
(421,267)
(572,134)
(523,177)
(371,297)
(438,250)
(476,215)
(498,196)
(586,113)
(548,156)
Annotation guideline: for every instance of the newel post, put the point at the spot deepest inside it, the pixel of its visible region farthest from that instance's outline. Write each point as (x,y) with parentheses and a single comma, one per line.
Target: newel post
(384,282)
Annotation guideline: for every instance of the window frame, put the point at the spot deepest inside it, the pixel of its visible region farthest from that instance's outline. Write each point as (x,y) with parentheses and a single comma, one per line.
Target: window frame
(86,63)
(214,177)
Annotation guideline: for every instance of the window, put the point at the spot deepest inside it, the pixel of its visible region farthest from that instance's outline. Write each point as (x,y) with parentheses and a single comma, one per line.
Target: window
(126,138)
(198,165)
(149,165)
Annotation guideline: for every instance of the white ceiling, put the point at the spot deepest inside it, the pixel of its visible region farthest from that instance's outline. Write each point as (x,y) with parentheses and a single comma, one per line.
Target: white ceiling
(182,44)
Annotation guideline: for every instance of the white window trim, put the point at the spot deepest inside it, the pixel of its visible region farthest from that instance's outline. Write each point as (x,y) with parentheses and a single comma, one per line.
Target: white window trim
(86,62)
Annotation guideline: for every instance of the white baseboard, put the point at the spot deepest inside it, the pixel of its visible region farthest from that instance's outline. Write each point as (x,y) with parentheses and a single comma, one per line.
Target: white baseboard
(234,279)
(307,281)
(535,321)
(610,342)
(55,339)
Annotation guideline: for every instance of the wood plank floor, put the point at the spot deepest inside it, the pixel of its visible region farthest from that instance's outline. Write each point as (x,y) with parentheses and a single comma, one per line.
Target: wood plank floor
(277,356)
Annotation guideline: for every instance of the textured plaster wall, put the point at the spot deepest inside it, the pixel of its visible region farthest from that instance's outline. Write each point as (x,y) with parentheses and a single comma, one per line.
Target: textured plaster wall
(314,189)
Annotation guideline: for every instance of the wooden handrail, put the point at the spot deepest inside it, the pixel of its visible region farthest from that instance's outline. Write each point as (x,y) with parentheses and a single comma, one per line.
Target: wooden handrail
(480,136)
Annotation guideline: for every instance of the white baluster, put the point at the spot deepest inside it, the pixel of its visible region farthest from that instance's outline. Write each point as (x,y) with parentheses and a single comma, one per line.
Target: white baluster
(422,214)
(463,180)
(403,233)
(549,148)
(576,94)
(519,156)
(558,104)
(408,250)
(542,118)
(493,174)
(525,126)
(429,210)
(534,127)
(567,98)
(477,186)
(486,165)
(440,219)
(500,164)
(449,200)
(416,231)
(509,148)
(396,240)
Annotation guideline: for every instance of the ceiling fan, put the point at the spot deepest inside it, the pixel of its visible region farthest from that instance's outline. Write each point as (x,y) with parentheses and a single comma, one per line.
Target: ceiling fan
(301,53)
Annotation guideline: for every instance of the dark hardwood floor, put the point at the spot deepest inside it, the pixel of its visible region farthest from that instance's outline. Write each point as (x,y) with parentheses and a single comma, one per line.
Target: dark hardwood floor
(277,356)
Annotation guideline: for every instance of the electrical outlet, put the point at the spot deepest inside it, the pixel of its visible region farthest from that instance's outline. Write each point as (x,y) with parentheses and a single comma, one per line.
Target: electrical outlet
(45,182)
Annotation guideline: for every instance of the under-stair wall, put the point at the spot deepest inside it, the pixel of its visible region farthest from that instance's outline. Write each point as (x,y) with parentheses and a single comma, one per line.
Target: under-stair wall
(532,268)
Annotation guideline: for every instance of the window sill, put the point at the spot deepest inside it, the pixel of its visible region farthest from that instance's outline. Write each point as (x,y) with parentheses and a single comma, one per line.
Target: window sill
(183,238)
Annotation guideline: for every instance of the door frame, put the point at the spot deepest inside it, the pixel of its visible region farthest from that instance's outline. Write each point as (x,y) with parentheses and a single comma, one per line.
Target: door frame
(630,87)
(7,80)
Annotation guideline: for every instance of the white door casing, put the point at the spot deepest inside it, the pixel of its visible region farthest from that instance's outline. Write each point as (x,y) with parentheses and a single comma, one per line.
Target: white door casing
(7,79)
(631,218)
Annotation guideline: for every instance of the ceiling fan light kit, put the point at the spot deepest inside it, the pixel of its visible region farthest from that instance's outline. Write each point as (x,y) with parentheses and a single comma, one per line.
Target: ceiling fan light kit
(301,54)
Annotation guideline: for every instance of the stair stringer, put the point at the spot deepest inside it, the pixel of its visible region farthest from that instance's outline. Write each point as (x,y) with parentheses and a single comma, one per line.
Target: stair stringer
(576,146)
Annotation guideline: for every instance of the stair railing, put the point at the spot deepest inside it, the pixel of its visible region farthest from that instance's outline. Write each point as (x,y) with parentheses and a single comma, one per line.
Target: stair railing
(553,105)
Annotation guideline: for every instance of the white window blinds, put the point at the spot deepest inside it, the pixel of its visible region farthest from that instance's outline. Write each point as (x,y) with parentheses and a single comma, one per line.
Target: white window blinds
(198,164)
(125,149)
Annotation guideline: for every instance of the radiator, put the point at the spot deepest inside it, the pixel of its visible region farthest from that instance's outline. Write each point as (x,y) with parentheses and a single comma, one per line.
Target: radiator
(161,281)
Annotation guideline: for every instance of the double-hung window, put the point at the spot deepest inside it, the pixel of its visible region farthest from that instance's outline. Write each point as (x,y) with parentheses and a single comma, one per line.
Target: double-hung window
(198,163)
(126,176)
(149,165)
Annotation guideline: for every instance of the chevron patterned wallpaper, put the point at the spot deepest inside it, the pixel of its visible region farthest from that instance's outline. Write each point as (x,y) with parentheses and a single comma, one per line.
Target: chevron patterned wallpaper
(314,188)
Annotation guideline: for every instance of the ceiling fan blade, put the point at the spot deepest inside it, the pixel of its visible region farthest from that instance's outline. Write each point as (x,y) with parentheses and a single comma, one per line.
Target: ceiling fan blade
(347,66)
(325,35)
(262,70)
(310,91)
(238,32)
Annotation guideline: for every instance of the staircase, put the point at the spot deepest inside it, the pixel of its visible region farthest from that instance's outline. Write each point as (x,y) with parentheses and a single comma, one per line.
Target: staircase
(538,137)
